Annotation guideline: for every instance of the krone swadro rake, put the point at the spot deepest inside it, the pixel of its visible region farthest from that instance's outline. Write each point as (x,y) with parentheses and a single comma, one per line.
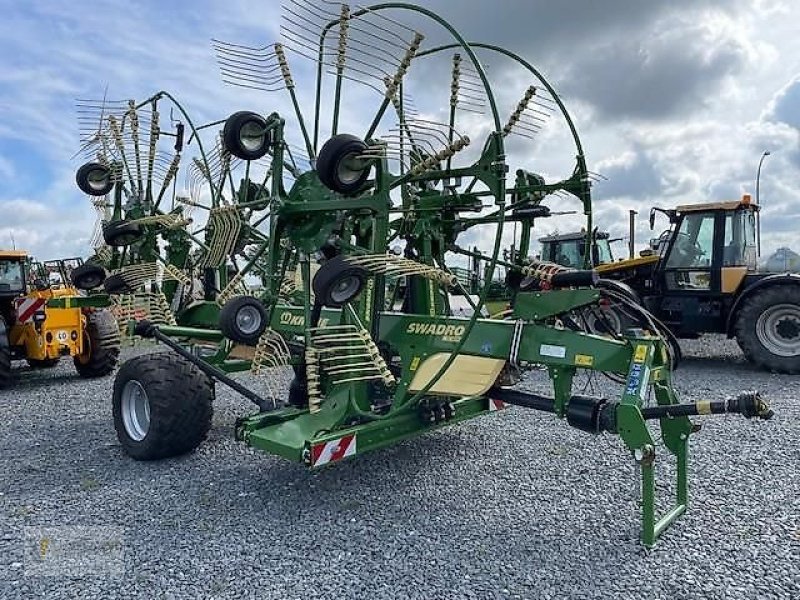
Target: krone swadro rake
(350,271)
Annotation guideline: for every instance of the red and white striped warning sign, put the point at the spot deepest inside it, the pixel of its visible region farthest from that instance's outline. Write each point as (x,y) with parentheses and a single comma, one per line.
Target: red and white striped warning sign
(496,405)
(27,307)
(327,452)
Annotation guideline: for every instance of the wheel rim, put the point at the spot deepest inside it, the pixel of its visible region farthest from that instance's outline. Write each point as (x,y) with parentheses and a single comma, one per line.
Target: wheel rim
(778,329)
(350,169)
(345,289)
(251,136)
(248,320)
(135,410)
(90,281)
(97,179)
(599,326)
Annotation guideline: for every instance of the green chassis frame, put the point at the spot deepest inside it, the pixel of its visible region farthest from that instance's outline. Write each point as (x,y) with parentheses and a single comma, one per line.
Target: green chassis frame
(296,434)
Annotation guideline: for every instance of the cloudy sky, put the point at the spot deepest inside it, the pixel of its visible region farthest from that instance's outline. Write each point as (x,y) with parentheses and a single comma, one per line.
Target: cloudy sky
(674,101)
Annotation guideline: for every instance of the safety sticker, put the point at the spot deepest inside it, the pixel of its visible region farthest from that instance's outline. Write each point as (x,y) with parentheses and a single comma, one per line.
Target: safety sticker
(328,452)
(640,355)
(634,378)
(496,405)
(27,307)
(554,351)
(584,360)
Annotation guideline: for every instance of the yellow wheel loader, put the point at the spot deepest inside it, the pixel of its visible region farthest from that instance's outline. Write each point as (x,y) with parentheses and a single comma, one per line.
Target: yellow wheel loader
(43,320)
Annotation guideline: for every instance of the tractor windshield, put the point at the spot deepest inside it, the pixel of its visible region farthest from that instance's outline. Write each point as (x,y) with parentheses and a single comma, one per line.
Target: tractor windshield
(11,276)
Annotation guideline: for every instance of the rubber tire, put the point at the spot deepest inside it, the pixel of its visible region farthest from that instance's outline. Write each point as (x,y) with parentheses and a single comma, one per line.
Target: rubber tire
(227,320)
(232,142)
(5,357)
(104,344)
(331,154)
(82,179)
(121,233)
(115,284)
(745,328)
(331,272)
(181,401)
(84,276)
(46,363)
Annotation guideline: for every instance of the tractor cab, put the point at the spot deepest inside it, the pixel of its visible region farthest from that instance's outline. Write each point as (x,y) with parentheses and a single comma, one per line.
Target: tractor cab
(709,256)
(13,275)
(569,249)
(710,248)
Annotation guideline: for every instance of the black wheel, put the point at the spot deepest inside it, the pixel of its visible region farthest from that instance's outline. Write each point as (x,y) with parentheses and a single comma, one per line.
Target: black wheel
(5,356)
(339,166)
(768,328)
(243,319)
(45,363)
(246,136)
(338,282)
(88,276)
(115,284)
(162,406)
(298,393)
(121,233)
(101,345)
(94,179)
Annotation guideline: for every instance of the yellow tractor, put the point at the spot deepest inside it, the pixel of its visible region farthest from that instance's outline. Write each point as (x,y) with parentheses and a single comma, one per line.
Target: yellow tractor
(42,320)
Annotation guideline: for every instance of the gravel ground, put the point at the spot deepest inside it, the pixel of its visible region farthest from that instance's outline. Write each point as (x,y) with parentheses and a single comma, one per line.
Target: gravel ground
(515,505)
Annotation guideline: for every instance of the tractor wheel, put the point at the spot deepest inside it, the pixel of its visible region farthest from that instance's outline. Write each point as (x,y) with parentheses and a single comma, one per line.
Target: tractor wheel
(88,276)
(5,356)
(338,282)
(339,166)
(162,406)
(101,346)
(94,179)
(121,233)
(243,319)
(115,284)
(45,363)
(245,135)
(768,328)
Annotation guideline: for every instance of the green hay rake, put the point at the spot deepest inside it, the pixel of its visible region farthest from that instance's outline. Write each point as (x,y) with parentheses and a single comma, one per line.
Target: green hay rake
(367,223)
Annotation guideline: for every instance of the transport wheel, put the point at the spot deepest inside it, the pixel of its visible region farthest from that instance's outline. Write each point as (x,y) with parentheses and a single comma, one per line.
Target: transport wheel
(162,406)
(122,233)
(768,328)
(338,282)
(339,166)
(94,179)
(243,319)
(101,346)
(5,356)
(246,136)
(115,284)
(46,363)
(88,276)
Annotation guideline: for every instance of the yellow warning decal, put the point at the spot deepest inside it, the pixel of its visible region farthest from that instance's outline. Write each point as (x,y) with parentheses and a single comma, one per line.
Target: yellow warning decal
(640,354)
(704,407)
(584,360)
(414,364)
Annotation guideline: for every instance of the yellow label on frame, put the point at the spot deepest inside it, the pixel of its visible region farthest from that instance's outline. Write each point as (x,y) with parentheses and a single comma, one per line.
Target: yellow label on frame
(640,354)
(414,364)
(584,360)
